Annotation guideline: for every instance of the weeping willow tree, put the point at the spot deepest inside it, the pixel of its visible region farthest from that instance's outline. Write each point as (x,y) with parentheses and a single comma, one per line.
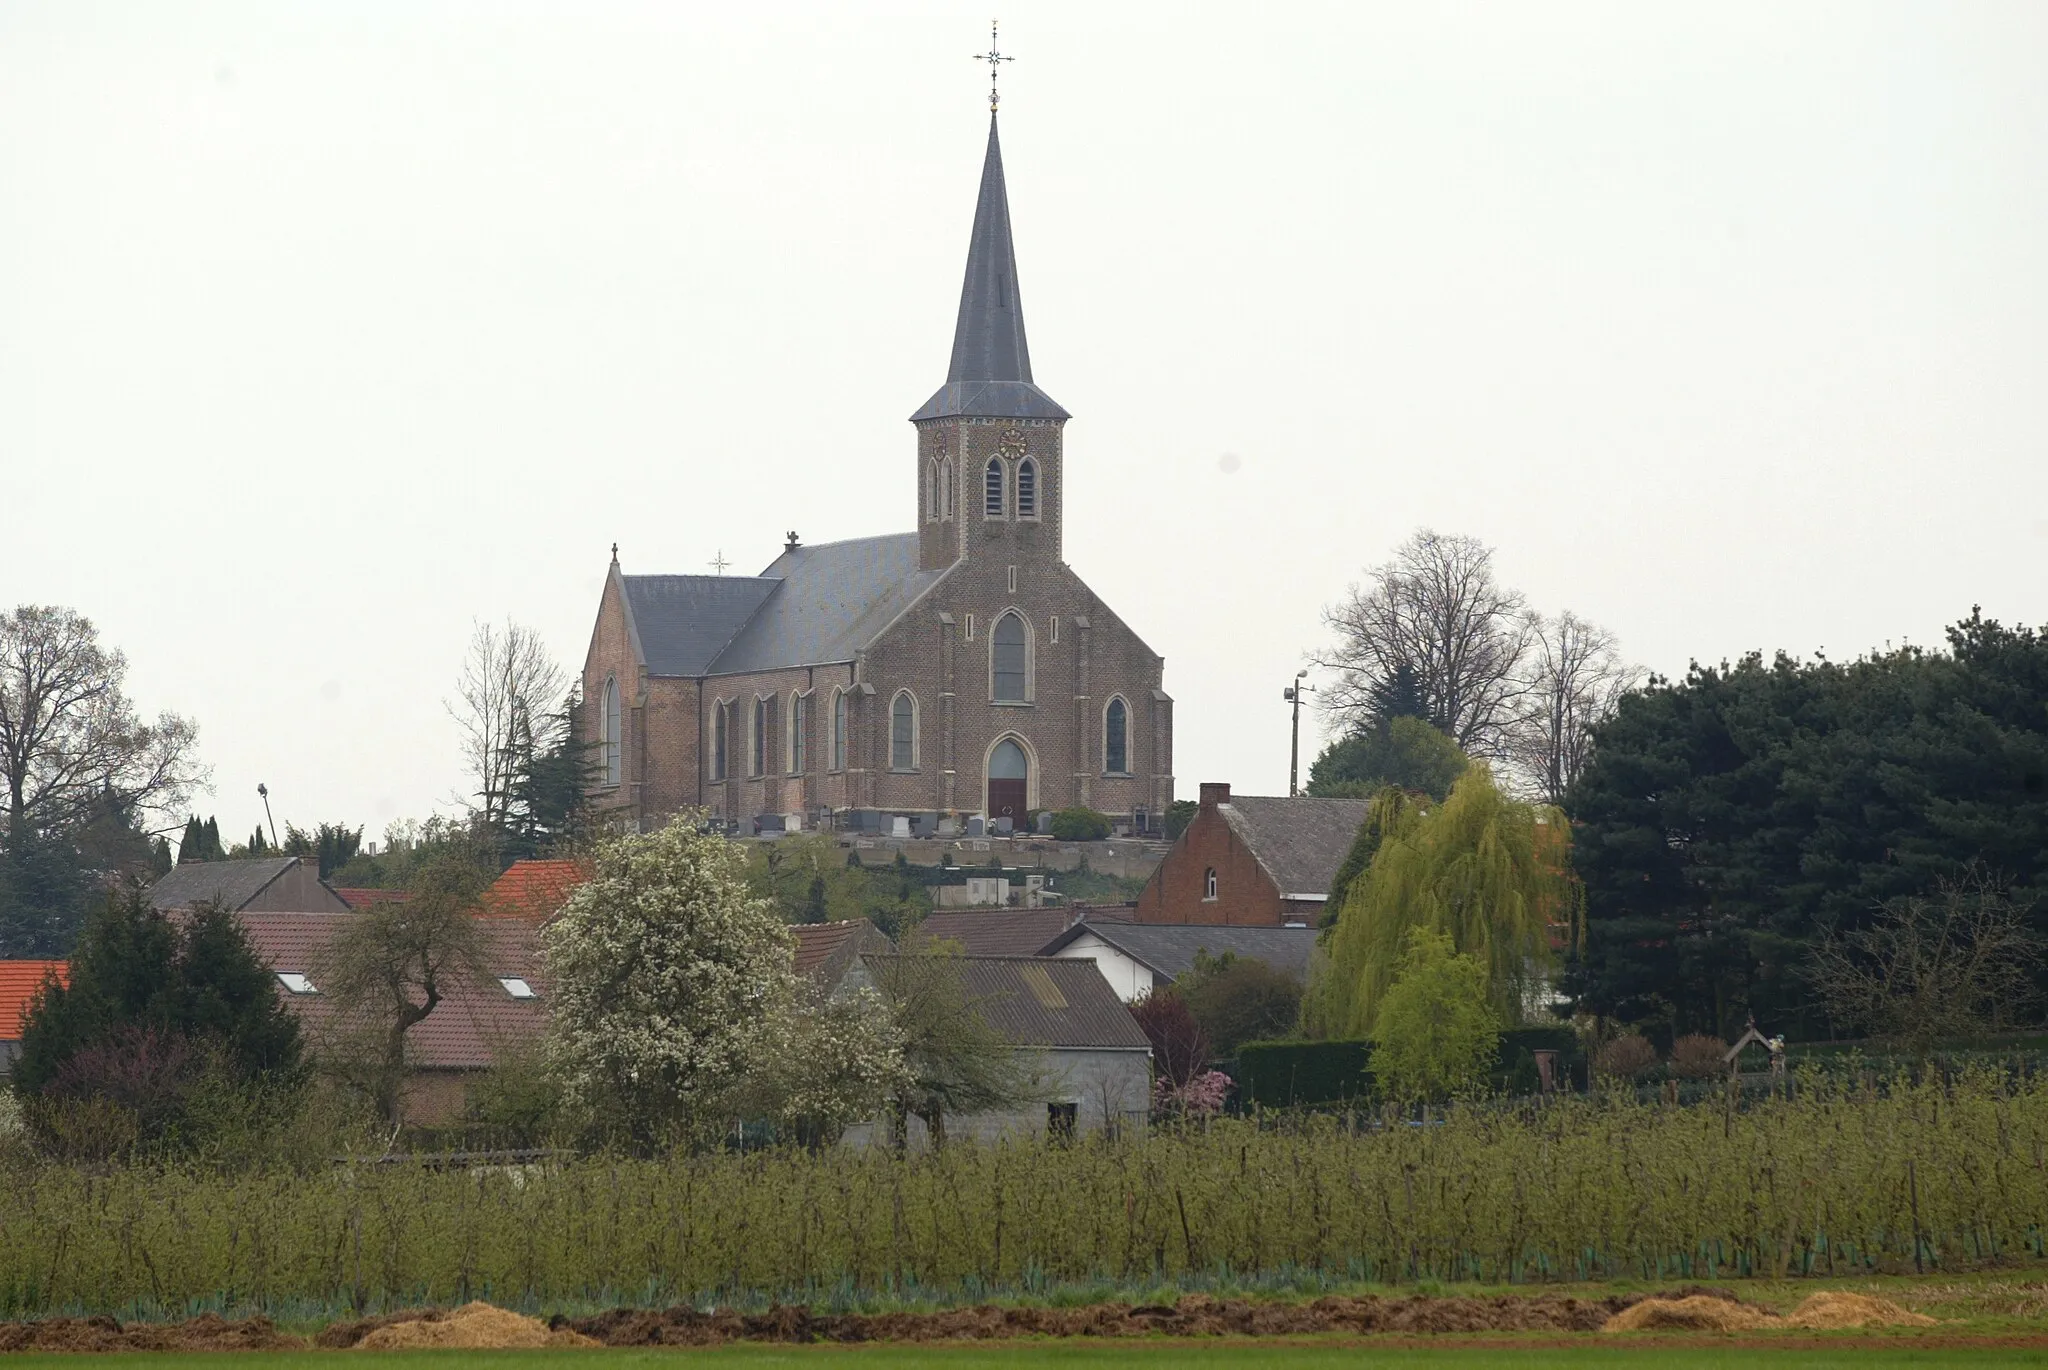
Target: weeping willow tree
(1487,871)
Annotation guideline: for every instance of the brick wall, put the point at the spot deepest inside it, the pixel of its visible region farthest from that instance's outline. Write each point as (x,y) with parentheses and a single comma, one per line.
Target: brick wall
(1245,895)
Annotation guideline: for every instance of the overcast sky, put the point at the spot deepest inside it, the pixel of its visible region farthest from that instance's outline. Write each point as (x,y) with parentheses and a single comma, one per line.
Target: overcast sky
(326,330)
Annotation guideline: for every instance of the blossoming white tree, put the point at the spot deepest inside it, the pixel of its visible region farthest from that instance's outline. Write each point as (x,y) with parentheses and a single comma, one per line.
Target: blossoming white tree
(676,1005)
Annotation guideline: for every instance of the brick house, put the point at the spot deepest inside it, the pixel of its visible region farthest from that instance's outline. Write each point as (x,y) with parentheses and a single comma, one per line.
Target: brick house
(962,667)
(1252,860)
(266,884)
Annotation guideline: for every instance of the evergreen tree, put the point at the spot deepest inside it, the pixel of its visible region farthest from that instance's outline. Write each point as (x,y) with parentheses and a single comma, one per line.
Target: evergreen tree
(201,841)
(1397,694)
(1404,750)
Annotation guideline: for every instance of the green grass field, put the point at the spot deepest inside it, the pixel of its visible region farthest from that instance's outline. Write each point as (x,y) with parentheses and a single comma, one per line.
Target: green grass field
(1824,1353)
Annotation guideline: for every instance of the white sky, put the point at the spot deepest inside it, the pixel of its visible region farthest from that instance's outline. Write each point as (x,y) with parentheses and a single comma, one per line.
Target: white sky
(327,329)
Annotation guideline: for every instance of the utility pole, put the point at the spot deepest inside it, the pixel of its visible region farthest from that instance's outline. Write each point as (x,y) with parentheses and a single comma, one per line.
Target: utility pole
(1292,694)
(264,790)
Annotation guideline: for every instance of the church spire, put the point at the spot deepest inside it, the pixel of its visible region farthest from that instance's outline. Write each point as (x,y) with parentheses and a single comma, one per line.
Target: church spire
(990,374)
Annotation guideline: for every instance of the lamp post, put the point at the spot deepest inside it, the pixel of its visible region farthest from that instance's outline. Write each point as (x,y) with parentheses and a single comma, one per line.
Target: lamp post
(264,790)
(1292,694)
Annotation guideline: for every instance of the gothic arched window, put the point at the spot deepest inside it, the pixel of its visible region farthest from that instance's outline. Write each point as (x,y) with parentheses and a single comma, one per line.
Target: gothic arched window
(718,712)
(992,488)
(1010,661)
(799,729)
(931,490)
(1027,489)
(614,753)
(839,730)
(946,489)
(758,762)
(1116,726)
(1209,884)
(903,732)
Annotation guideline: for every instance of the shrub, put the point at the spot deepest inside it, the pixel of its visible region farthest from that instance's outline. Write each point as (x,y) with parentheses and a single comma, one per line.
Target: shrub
(1239,999)
(1180,1049)
(1080,825)
(1626,1058)
(1435,1031)
(1698,1056)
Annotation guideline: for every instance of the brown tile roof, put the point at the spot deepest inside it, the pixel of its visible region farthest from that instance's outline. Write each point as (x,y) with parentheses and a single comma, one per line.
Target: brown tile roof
(1043,1002)
(19,983)
(360,898)
(533,890)
(1300,842)
(825,950)
(465,1028)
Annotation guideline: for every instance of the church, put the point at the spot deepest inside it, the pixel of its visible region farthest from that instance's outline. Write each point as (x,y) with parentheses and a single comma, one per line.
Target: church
(961,668)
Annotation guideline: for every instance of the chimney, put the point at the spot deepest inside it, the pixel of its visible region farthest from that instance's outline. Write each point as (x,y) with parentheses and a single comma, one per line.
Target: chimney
(1214,792)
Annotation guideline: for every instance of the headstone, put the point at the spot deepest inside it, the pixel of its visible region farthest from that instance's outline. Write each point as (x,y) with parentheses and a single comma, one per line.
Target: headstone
(974,826)
(1045,821)
(1004,827)
(793,822)
(899,826)
(949,826)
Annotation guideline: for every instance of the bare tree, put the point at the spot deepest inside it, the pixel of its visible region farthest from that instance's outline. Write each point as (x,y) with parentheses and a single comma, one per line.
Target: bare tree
(508,705)
(1929,968)
(389,968)
(1573,679)
(1436,610)
(71,744)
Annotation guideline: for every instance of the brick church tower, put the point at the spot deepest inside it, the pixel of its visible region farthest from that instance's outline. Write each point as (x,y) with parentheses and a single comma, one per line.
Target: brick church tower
(962,668)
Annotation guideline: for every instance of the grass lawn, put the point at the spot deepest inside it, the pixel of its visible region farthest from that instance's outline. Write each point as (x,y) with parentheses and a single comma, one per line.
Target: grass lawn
(1822,1353)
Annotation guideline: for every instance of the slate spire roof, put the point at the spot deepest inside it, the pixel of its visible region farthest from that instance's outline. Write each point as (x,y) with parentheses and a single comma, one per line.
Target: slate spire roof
(990,374)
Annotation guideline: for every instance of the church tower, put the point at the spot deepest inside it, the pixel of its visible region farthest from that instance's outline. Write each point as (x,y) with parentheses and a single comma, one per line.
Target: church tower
(989,442)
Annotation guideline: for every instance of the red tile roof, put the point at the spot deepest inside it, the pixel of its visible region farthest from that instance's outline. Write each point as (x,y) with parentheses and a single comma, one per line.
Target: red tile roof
(465,1029)
(19,983)
(357,899)
(824,951)
(534,890)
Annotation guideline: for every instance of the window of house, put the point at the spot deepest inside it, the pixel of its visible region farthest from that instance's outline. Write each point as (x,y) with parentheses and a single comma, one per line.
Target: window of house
(992,488)
(1010,660)
(799,726)
(759,759)
(295,983)
(1115,730)
(903,732)
(1061,1122)
(1208,884)
(614,754)
(839,730)
(718,711)
(1027,489)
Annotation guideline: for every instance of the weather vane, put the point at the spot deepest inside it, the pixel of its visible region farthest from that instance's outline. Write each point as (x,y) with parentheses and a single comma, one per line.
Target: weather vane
(995,59)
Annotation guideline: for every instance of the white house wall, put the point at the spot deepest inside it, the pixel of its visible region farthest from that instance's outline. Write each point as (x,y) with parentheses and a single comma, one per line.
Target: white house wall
(1132,980)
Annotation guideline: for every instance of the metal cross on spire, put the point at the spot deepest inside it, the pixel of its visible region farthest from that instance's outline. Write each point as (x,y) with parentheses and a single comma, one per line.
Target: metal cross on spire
(719,563)
(995,58)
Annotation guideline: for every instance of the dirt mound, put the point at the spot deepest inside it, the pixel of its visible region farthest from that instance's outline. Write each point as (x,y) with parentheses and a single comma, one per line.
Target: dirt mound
(475,1327)
(1838,1308)
(1693,1313)
(1194,1316)
(207,1332)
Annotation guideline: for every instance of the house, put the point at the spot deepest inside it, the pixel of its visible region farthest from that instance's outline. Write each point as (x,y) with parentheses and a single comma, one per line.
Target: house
(826,951)
(533,890)
(268,884)
(1009,932)
(476,1020)
(1137,958)
(1252,861)
(20,982)
(1091,1057)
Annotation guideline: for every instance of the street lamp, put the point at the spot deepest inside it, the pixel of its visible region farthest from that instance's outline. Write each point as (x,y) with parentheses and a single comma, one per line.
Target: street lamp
(1292,694)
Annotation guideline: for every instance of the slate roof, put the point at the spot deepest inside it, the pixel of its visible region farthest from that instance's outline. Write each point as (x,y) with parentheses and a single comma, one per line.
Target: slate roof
(1300,842)
(830,601)
(1169,948)
(19,982)
(990,373)
(1006,932)
(232,883)
(681,622)
(465,1028)
(1040,1002)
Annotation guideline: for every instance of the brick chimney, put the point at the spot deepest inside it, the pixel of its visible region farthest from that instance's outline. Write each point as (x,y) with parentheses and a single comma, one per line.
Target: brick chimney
(1214,792)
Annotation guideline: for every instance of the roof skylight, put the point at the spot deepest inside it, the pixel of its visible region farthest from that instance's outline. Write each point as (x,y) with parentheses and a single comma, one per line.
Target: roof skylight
(295,983)
(517,987)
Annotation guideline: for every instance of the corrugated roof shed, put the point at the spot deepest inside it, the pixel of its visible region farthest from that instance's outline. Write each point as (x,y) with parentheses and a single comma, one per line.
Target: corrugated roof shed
(1037,1001)
(20,982)
(1011,932)
(1300,842)
(1170,948)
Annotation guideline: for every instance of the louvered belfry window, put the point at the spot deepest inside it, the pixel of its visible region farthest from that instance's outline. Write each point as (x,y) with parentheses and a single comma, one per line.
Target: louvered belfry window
(1027,489)
(992,486)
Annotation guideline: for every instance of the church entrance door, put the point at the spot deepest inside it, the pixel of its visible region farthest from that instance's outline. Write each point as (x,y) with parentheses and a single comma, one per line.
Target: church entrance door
(1008,782)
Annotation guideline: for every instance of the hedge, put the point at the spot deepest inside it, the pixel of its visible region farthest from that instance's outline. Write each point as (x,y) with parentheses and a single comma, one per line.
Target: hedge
(1298,1074)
